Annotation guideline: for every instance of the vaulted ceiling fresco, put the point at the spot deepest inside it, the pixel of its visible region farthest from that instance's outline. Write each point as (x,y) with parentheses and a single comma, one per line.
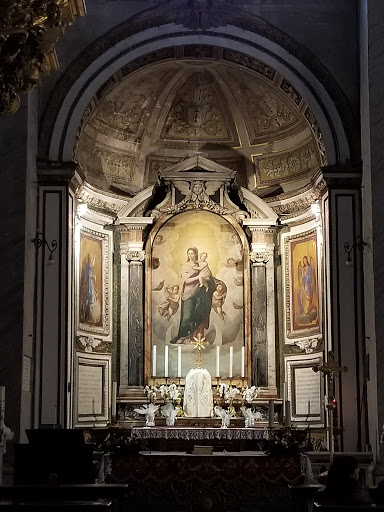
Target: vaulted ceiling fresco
(228,107)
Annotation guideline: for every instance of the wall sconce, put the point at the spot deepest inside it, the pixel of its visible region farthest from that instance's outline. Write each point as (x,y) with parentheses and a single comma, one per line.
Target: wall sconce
(358,243)
(39,240)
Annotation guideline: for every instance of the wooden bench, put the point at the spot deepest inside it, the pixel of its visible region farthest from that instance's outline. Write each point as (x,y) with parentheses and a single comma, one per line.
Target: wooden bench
(57,505)
(347,508)
(79,495)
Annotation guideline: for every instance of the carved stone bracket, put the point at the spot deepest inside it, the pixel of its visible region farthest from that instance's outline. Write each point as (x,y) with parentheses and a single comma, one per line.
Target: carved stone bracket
(91,344)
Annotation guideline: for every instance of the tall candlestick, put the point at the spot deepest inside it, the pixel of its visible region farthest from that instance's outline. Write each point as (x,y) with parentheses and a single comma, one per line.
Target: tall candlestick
(179,361)
(230,362)
(154,361)
(114,398)
(166,361)
(218,361)
(271,413)
(242,361)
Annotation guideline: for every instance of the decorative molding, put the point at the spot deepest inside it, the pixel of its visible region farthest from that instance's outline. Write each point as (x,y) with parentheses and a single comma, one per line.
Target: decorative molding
(90,344)
(306,346)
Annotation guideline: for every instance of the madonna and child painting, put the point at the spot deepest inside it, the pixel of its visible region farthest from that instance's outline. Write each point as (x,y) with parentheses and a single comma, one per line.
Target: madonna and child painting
(198,283)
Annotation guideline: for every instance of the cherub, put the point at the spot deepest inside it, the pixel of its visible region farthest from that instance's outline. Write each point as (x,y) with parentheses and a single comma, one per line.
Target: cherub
(171,304)
(204,272)
(218,298)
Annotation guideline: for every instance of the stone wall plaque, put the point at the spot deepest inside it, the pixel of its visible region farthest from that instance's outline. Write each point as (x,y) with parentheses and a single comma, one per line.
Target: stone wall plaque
(92,389)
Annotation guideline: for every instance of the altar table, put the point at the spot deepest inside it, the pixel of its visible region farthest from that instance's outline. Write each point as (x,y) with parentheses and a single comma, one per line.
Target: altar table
(229,482)
(184,438)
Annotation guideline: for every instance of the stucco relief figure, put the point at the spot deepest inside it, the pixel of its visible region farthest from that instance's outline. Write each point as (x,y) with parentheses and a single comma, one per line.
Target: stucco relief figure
(90,308)
(196,300)
(306,290)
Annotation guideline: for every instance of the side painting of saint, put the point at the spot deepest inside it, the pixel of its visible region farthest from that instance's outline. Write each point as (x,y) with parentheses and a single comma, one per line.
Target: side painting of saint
(90,282)
(197,287)
(304,284)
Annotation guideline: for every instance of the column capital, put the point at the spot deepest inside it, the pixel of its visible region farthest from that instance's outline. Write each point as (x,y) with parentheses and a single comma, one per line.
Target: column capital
(259,258)
(134,256)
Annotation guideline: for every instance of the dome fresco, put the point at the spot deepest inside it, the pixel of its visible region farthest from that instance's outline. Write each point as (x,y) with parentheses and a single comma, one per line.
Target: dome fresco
(249,120)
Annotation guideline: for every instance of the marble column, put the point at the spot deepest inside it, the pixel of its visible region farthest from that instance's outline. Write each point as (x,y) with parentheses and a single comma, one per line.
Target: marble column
(259,320)
(135,319)
(263,329)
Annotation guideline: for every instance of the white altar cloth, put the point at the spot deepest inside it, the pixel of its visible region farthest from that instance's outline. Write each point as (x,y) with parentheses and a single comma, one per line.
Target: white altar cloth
(198,397)
(199,434)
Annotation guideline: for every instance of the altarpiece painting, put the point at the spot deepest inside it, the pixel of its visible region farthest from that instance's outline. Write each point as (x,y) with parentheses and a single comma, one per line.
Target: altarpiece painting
(302,285)
(93,281)
(197,287)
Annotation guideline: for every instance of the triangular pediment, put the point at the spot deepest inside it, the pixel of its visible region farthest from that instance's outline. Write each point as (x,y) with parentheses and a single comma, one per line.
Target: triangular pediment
(197,167)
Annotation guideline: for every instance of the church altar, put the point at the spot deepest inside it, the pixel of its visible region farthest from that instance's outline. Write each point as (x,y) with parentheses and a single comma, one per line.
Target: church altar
(225,481)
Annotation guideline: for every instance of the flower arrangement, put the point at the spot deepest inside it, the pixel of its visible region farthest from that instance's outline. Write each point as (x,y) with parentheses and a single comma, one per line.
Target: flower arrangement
(283,444)
(249,394)
(121,442)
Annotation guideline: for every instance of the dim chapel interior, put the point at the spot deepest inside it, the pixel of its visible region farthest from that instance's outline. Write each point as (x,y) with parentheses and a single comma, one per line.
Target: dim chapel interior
(196,179)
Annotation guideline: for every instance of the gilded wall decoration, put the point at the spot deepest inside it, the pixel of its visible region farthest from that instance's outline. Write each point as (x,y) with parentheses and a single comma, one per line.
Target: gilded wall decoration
(194,288)
(302,285)
(249,62)
(291,91)
(317,133)
(102,161)
(124,107)
(285,166)
(196,113)
(266,111)
(93,287)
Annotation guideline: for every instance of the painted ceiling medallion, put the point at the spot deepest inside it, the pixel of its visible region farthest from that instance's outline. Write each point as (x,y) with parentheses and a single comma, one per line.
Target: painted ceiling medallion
(196,113)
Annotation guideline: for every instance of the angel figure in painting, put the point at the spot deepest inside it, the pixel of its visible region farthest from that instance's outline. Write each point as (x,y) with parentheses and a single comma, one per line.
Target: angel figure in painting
(90,309)
(171,304)
(307,289)
(218,299)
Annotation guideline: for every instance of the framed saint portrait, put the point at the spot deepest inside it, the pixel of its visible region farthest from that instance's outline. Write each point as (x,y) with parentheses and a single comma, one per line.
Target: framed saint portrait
(198,285)
(93,293)
(302,285)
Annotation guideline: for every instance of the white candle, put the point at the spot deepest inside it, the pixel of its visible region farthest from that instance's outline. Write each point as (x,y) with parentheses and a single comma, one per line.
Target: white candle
(285,392)
(179,361)
(230,362)
(218,361)
(271,413)
(114,398)
(242,361)
(154,361)
(166,361)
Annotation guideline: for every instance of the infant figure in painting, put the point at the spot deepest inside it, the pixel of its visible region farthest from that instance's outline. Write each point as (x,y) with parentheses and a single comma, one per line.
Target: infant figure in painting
(218,298)
(171,304)
(204,272)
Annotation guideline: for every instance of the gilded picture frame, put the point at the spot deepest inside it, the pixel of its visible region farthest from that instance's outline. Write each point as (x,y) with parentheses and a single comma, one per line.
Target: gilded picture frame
(93,282)
(302,285)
